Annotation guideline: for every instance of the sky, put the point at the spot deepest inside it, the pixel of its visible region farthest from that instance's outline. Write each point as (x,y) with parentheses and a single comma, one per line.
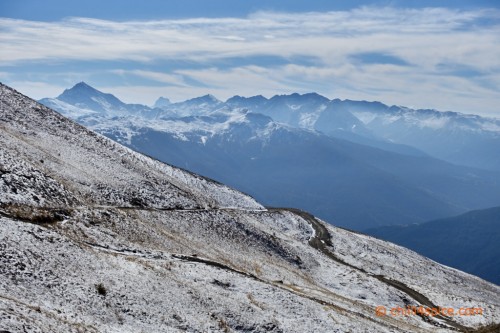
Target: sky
(437,54)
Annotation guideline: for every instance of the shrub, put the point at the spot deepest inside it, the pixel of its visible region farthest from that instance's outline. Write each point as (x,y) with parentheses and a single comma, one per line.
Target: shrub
(101,290)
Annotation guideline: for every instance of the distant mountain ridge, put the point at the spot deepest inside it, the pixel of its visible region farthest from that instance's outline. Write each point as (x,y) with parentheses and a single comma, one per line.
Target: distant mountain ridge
(359,183)
(463,139)
(457,138)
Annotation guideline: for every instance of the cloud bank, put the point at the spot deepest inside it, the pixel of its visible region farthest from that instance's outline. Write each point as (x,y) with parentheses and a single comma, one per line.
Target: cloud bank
(434,57)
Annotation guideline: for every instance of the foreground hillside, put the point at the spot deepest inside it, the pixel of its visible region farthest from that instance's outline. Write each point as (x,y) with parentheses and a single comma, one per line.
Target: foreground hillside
(473,236)
(97,238)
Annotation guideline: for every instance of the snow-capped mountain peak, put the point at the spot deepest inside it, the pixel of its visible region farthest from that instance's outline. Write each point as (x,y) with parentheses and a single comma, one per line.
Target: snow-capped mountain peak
(81,88)
(83,101)
(84,96)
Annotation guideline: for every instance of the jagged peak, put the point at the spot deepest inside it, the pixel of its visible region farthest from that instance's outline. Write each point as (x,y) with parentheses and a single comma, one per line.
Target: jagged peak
(82,86)
(238,98)
(208,98)
(79,88)
(162,101)
(295,95)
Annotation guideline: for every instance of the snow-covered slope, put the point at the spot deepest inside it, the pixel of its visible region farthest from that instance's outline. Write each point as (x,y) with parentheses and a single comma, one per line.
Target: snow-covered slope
(474,235)
(97,238)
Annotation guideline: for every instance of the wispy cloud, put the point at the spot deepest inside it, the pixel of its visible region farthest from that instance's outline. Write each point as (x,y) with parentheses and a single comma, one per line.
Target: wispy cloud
(176,80)
(402,56)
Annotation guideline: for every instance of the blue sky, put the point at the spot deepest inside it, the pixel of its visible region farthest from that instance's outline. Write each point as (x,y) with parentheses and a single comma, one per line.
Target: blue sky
(424,54)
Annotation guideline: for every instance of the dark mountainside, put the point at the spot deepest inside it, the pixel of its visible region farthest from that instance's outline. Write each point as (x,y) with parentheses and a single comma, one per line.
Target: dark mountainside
(344,183)
(468,242)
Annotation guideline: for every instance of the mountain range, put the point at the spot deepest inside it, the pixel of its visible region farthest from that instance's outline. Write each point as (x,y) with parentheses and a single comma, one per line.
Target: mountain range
(458,138)
(307,151)
(98,238)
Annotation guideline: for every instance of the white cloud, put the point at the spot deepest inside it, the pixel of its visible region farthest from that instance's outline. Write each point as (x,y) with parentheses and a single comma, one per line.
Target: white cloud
(425,39)
(155,76)
(293,34)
